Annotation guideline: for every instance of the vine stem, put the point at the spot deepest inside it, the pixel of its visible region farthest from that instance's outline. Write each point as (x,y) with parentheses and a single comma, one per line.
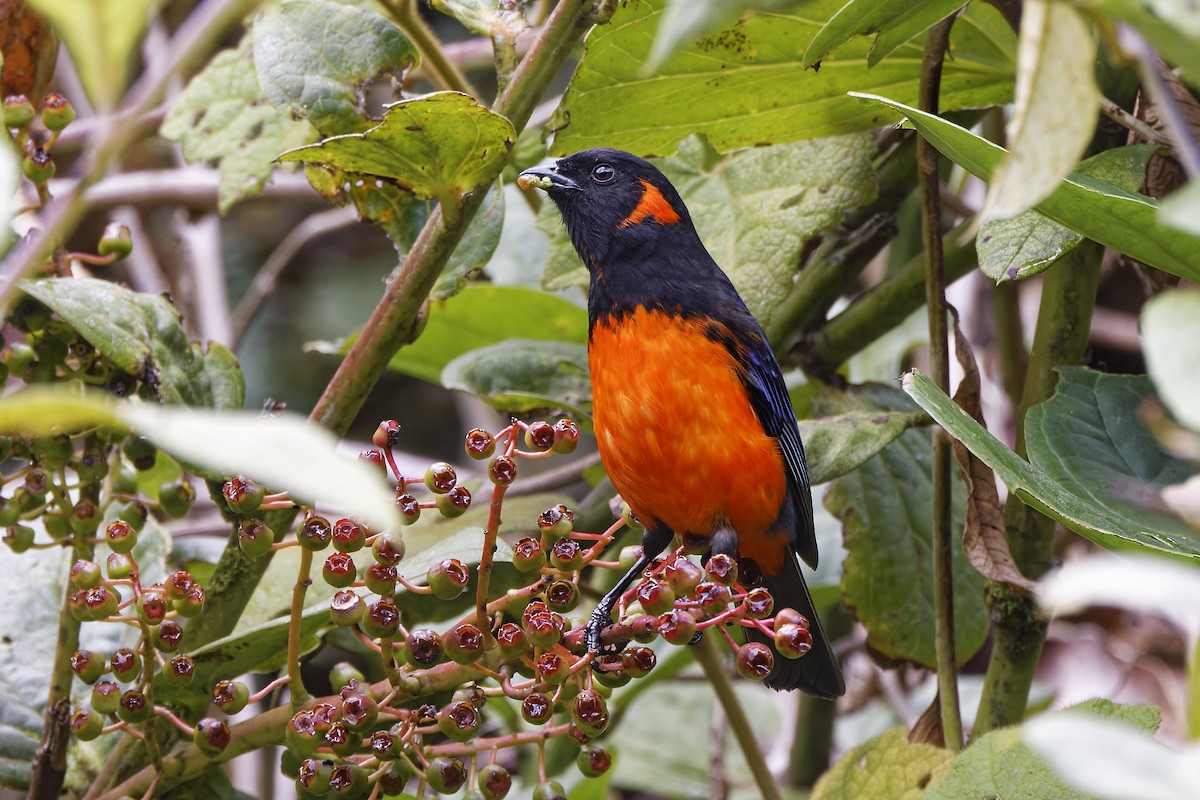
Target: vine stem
(709,658)
(936,40)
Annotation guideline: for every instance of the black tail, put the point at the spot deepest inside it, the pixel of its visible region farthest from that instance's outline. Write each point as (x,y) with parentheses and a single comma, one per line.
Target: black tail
(817,671)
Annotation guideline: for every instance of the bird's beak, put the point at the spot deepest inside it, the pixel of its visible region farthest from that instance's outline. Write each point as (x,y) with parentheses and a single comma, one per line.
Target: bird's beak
(547,178)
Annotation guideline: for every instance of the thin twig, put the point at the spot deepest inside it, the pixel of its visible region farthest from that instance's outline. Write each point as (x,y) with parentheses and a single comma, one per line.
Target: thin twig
(936,40)
(1127,120)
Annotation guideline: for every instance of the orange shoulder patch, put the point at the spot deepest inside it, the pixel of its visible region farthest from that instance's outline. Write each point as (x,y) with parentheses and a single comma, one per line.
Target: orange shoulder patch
(652,205)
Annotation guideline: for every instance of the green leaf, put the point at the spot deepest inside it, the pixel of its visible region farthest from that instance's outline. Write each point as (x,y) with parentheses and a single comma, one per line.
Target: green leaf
(223,117)
(1099,210)
(1054,114)
(747,85)
(1092,520)
(1170,330)
(468,321)
(901,19)
(315,57)
(836,445)
(886,766)
(101,36)
(1171,26)
(226,381)
(440,146)
(755,209)
(1087,437)
(1029,243)
(519,376)
(1000,764)
(475,248)
(686,20)
(139,333)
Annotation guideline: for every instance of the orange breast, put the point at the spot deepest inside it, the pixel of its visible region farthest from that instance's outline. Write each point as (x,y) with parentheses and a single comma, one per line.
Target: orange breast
(678,435)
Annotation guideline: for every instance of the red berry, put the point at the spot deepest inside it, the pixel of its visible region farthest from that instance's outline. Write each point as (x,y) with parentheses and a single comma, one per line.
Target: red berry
(528,555)
(677,626)
(722,568)
(790,616)
(168,636)
(125,664)
(440,477)
(552,668)
(446,775)
(713,597)
(494,782)
(537,708)
(502,470)
(545,629)
(562,596)
(754,661)
(638,661)
(339,570)
(179,671)
(593,761)
(454,503)
(464,643)
(566,436)
(556,521)
(409,508)
(758,603)
(152,607)
(178,584)
(459,721)
(315,533)
(423,648)
(342,740)
(589,712)
(133,707)
(87,666)
(682,575)
(513,641)
(387,435)
(359,711)
(655,596)
(243,495)
(539,436)
(380,578)
(566,555)
(388,548)
(792,641)
(348,536)
(376,460)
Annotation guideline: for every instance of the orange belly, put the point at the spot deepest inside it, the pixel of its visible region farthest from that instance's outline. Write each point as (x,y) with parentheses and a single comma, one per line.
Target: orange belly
(678,435)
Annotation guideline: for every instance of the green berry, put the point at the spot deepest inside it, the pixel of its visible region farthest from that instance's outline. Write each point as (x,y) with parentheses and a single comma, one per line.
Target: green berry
(562,596)
(38,166)
(722,568)
(409,508)
(211,736)
(230,696)
(550,790)
(556,522)
(315,533)
(175,498)
(480,444)
(388,548)
(313,776)
(152,607)
(119,566)
(440,477)
(380,578)
(19,538)
(348,780)
(141,452)
(126,665)
(348,536)
(566,436)
(168,636)
(513,641)
(346,608)
(57,112)
(494,782)
(106,697)
(115,240)
(445,775)
(86,724)
(459,721)
(255,538)
(464,643)
(133,707)
(552,668)
(18,111)
(453,503)
(243,495)
(448,578)
(341,740)
(85,574)
(528,555)
(359,709)
(87,666)
(179,671)
(339,570)
(380,619)
(300,734)
(120,536)
(593,761)
(566,555)
(191,604)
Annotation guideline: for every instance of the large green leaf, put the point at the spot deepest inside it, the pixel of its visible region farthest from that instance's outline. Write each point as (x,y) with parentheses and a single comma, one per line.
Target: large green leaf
(1170,333)
(747,85)
(101,36)
(895,22)
(1093,518)
(223,117)
(755,209)
(468,321)
(1099,210)
(1000,764)
(142,335)
(886,507)
(836,445)
(314,58)
(1088,439)
(1029,243)
(887,766)
(440,146)
(519,376)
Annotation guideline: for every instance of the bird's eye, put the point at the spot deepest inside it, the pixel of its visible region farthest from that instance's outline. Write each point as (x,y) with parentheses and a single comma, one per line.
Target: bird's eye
(603,173)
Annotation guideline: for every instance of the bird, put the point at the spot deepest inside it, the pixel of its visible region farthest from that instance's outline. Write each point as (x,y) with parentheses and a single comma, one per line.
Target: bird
(691,414)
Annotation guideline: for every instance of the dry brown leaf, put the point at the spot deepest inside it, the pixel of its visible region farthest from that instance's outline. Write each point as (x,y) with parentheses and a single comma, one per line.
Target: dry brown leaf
(985,538)
(928,727)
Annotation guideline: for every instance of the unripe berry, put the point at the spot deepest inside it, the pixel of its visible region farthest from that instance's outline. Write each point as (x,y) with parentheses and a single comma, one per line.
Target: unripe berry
(713,597)
(152,607)
(550,790)
(176,498)
(480,444)
(57,112)
(230,696)
(722,568)
(346,608)
(212,736)
(339,570)
(754,661)
(792,641)
(537,708)
(448,578)
(397,776)
(342,740)
(192,603)
(539,436)
(115,240)
(18,111)
(382,745)
(556,522)
(100,602)
(552,668)
(423,648)
(380,619)
(178,584)
(168,636)
(409,508)
(459,721)
(677,626)
(255,538)
(464,643)
(388,548)
(638,661)
(528,555)
(513,642)
(126,665)
(375,460)
(348,780)
(494,782)
(119,566)
(84,518)
(445,775)
(562,596)
(120,536)
(10,511)
(133,707)
(758,603)
(566,436)
(348,536)
(243,495)
(790,616)
(440,477)
(454,503)
(313,776)
(387,434)
(315,533)
(85,574)
(38,166)
(593,761)
(141,452)
(545,630)
(502,470)
(86,724)
(589,712)
(566,555)
(87,666)
(179,671)
(300,734)
(19,538)
(106,697)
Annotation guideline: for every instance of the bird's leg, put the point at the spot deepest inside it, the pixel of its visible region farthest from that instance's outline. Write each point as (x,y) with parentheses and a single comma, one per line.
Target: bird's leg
(653,542)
